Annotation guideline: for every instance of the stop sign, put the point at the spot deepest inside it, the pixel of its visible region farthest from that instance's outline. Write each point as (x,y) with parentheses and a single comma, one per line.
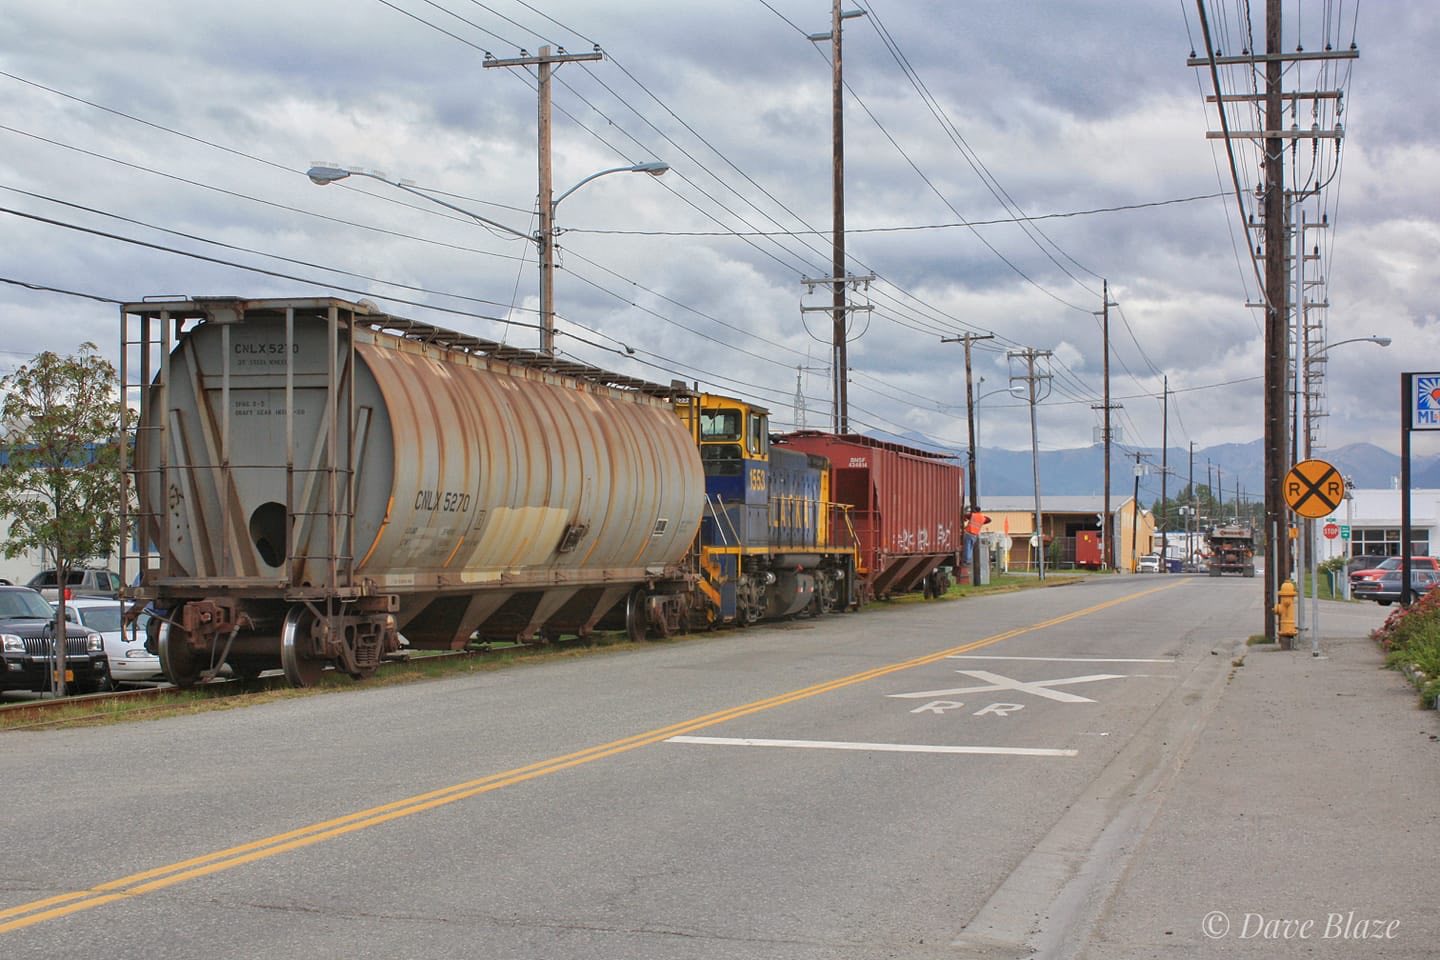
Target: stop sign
(1331,531)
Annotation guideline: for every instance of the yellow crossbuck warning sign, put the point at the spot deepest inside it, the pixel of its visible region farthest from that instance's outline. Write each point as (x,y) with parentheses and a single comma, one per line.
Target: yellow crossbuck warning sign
(1314,489)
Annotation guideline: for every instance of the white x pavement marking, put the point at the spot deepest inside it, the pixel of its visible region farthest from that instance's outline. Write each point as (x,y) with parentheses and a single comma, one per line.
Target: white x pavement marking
(1041,688)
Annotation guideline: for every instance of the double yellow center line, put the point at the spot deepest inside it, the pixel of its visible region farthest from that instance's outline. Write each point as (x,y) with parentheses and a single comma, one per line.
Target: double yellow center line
(149,881)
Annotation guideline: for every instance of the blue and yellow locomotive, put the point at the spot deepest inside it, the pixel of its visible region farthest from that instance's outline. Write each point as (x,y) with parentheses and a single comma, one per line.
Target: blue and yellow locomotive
(771,542)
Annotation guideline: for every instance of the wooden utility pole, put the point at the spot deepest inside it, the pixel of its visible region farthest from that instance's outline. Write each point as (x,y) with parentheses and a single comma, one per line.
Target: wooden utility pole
(967,340)
(840,314)
(1193,522)
(1277,545)
(545,235)
(1164,475)
(1275,299)
(837,120)
(1029,355)
(1107,548)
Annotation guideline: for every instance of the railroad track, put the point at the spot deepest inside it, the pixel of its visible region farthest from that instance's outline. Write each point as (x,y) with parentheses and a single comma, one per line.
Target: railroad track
(36,714)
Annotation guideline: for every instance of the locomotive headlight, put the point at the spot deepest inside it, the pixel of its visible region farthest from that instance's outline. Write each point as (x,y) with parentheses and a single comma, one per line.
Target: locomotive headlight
(13,644)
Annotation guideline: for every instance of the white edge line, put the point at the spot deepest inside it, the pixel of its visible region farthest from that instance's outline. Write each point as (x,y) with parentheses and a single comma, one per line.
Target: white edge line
(877,747)
(963,656)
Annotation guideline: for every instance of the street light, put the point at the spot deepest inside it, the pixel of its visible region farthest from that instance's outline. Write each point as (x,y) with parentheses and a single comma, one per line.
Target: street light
(1313,357)
(543,238)
(1378,341)
(988,393)
(1308,544)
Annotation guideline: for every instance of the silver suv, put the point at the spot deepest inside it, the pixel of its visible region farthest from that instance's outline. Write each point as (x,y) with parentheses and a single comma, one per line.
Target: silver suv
(83,582)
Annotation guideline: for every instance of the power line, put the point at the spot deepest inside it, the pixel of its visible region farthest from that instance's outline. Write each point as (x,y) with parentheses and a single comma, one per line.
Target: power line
(908,228)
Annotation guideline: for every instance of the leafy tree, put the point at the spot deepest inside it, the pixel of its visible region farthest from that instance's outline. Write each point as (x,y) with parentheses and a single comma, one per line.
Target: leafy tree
(1209,511)
(61,484)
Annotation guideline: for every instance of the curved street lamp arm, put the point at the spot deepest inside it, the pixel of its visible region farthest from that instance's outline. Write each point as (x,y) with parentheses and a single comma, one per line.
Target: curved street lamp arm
(324,175)
(1378,341)
(654,168)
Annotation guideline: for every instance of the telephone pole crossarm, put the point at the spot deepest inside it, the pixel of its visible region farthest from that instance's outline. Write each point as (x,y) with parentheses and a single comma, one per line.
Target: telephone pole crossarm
(545,57)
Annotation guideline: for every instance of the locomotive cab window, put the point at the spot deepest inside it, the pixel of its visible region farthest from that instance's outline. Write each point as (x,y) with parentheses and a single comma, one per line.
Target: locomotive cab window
(721,459)
(758,437)
(720,425)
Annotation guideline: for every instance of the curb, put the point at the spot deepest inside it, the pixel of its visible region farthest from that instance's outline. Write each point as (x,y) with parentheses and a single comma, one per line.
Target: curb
(1419,678)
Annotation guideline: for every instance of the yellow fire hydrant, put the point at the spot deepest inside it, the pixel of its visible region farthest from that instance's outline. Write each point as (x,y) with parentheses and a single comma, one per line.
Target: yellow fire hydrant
(1285,610)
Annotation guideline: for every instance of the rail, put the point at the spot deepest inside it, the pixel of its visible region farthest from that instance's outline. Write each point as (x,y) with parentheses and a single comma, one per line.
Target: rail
(12,714)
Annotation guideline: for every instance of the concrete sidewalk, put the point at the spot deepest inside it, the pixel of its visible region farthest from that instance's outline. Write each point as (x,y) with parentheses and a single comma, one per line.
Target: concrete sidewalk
(1304,823)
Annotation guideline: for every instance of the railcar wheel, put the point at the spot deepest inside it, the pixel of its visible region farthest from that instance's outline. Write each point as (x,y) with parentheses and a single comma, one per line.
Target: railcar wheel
(749,605)
(301,669)
(635,615)
(824,600)
(176,658)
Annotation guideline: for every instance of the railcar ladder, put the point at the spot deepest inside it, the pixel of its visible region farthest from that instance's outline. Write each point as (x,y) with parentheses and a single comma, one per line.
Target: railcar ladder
(338,476)
(146,338)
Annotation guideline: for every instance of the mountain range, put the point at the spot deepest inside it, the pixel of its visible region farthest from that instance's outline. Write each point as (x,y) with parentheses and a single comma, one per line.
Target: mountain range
(1079,471)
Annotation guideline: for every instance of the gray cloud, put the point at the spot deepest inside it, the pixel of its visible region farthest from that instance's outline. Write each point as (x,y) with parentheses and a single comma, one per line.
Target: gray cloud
(1070,106)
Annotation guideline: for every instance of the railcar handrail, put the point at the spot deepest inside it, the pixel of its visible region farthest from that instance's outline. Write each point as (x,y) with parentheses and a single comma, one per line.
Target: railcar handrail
(720,524)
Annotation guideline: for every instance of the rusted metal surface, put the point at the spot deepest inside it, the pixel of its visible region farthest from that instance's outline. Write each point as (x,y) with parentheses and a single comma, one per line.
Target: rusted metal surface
(907,504)
(494,471)
(313,450)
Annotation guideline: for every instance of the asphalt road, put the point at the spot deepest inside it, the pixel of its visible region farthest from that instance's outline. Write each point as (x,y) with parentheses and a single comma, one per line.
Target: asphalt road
(918,780)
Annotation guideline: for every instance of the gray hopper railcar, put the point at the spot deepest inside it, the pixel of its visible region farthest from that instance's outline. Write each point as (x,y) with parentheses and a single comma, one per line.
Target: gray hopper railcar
(315,479)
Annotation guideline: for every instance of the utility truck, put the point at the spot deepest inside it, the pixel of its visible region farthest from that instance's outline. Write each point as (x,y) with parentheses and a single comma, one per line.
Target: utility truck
(1232,550)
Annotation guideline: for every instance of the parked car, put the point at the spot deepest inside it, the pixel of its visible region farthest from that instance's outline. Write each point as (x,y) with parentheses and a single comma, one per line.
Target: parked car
(1365,561)
(27,644)
(1391,563)
(1385,589)
(128,660)
(82,582)
(1150,563)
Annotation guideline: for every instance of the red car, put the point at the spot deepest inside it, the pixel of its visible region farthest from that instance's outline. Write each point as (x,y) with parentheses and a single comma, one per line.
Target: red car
(1393,563)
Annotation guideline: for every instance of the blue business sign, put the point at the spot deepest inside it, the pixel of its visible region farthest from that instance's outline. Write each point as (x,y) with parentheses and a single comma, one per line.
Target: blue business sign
(1424,401)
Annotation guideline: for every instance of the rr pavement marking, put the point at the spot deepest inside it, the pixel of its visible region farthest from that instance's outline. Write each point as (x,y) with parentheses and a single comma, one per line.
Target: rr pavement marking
(1040,688)
(963,656)
(878,747)
(149,881)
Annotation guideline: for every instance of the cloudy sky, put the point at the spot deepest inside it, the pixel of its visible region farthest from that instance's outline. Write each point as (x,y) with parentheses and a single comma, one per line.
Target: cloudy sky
(1003,159)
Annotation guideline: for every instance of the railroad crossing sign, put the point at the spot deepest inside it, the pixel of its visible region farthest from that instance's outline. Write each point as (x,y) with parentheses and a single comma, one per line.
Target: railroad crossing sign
(1314,489)
(1331,531)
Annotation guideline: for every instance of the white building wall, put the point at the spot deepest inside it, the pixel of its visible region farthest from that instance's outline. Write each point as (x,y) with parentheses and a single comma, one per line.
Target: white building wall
(22,568)
(1380,510)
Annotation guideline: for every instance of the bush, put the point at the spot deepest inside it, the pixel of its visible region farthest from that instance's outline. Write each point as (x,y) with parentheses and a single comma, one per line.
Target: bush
(1411,637)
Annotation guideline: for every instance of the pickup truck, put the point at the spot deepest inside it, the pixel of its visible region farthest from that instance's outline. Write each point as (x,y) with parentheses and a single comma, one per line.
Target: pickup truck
(82,581)
(1388,564)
